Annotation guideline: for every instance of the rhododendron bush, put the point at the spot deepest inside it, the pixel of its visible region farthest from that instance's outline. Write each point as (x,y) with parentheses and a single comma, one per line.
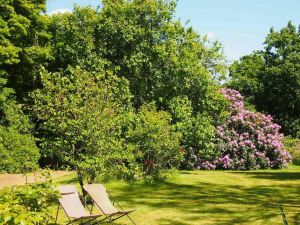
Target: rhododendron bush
(247,140)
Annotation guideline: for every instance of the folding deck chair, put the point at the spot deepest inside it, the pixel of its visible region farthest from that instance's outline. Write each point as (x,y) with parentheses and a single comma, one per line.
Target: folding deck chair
(73,208)
(100,197)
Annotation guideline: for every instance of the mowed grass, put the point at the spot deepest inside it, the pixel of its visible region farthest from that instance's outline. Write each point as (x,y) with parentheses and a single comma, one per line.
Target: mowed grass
(211,197)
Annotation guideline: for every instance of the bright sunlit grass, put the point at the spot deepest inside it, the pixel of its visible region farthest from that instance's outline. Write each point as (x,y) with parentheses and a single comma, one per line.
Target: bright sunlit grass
(211,197)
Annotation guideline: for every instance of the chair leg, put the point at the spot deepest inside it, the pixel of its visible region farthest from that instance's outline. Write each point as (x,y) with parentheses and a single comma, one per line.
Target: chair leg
(131,219)
(70,221)
(111,222)
(114,201)
(91,209)
(283,215)
(56,215)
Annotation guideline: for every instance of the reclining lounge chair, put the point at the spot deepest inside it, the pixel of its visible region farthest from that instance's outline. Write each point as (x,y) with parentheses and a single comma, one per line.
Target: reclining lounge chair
(100,198)
(73,208)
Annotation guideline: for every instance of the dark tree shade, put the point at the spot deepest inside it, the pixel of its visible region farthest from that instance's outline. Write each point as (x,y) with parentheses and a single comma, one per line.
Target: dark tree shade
(24,43)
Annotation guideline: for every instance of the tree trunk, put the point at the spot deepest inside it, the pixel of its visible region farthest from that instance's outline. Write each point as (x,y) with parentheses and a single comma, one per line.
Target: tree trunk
(80,180)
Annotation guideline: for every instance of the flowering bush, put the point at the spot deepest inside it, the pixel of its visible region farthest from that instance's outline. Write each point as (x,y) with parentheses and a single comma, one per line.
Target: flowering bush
(247,140)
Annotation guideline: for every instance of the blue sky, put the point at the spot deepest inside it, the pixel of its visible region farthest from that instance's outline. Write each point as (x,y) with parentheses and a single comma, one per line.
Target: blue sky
(241,25)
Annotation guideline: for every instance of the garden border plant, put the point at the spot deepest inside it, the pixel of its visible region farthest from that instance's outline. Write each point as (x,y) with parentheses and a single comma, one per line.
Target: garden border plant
(28,204)
(247,140)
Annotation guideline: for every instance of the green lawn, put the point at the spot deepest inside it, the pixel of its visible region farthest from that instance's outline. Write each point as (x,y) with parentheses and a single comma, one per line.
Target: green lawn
(212,197)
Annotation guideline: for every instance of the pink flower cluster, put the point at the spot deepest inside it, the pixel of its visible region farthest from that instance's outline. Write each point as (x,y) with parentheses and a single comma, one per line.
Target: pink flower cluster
(248,140)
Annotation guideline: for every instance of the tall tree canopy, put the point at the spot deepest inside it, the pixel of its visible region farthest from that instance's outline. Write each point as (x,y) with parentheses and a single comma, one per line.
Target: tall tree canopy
(24,43)
(21,37)
(18,151)
(270,79)
(160,57)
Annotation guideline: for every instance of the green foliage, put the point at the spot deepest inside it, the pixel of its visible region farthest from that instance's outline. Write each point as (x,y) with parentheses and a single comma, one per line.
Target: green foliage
(181,110)
(18,151)
(24,43)
(270,78)
(154,142)
(80,114)
(28,204)
(245,76)
(161,59)
(198,131)
(86,70)
(86,118)
(200,135)
(73,38)
(159,56)
(198,140)
(292,145)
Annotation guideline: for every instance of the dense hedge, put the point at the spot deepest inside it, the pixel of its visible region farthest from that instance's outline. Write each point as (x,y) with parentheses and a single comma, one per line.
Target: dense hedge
(18,151)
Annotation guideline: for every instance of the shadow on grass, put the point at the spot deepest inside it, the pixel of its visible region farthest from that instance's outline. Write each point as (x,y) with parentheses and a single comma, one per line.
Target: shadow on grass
(223,204)
(73,180)
(283,176)
(198,202)
(171,221)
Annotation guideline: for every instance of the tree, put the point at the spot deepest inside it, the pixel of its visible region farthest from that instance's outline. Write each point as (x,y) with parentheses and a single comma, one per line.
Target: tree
(73,39)
(71,62)
(24,43)
(198,131)
(142,42)
(270,79)
(80,115)
(18,151)
(246,76)
(22,50)
(160,57)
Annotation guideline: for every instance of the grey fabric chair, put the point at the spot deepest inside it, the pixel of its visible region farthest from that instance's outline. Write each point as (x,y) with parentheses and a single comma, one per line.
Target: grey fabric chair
(100,197)
(73,208)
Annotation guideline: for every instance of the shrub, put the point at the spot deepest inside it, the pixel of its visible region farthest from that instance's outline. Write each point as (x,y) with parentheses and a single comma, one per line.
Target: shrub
(27,204)
(292,145)
(18,151)
(154,142)
(198,131)
(247,140)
